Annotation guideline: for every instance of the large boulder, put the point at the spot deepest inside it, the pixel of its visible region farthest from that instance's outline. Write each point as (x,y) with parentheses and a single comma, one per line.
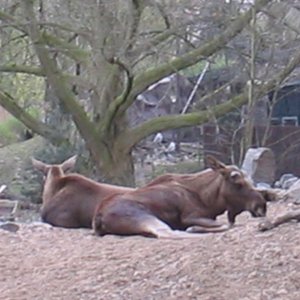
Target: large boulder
(259,164)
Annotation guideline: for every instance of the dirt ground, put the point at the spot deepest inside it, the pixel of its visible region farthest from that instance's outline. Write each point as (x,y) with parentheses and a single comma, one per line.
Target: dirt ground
(42,262)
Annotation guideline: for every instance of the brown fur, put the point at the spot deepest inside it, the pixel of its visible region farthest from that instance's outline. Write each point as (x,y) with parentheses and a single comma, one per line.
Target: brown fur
(69,200)
(175,202)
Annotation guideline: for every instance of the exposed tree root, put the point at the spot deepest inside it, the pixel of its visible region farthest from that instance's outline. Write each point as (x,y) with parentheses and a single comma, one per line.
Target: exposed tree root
(289,216)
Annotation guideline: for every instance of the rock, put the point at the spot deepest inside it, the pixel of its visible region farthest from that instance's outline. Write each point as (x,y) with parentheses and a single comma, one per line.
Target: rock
(277,185)
(293,193)
(263,185)
(283,179)
(10,226)
(297,201)
(288,183)
(259,164)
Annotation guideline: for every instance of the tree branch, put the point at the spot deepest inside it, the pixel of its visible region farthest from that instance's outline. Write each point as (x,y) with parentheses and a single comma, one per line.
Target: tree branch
(68,49)
(71,51)
(12,68)
(111,112)
(144,80)
(133,136)
(137,9)
(161,10)
(10,104)
(57,80)
(162,36)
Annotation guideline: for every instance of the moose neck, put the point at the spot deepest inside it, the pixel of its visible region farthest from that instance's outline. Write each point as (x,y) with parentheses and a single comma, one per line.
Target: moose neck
(207,184)
(211,184)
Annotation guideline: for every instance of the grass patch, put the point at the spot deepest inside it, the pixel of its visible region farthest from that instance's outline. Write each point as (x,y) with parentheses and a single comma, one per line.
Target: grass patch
(10,131)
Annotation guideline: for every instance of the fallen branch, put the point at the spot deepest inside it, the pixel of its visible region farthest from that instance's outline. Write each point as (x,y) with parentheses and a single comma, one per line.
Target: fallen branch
(289,216)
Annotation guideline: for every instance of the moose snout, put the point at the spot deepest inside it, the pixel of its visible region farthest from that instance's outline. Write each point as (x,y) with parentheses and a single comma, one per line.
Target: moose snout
(259,212)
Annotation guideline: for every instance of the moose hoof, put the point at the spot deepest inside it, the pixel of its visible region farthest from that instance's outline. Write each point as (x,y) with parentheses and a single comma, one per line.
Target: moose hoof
(266,225)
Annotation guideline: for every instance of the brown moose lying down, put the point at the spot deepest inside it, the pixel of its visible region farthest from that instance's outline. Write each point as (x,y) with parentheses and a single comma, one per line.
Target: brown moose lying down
(176,206)
(69,200)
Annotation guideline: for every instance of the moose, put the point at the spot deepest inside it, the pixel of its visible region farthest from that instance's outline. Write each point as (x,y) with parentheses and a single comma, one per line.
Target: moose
(180,206)
(69,200)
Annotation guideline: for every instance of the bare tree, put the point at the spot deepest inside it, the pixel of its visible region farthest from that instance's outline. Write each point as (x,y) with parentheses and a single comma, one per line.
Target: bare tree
(110,52)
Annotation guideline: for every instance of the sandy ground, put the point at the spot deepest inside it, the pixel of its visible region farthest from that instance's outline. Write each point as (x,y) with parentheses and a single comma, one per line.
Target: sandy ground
(41,262)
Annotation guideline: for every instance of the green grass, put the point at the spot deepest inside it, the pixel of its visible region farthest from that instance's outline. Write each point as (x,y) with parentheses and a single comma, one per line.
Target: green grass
(10,131)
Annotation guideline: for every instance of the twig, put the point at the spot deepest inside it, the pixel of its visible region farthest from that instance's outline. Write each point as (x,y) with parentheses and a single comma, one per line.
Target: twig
(189,100)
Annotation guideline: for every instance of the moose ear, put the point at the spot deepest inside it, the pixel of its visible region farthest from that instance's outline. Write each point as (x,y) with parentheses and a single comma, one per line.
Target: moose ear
(215,164)
(69,164)
(39,165)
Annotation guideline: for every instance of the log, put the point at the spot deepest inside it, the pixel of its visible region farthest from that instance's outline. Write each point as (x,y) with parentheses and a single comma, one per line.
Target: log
(289,216)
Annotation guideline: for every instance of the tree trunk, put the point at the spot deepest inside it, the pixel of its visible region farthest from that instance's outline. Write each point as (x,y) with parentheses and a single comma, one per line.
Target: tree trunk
(120,171)
(117,165)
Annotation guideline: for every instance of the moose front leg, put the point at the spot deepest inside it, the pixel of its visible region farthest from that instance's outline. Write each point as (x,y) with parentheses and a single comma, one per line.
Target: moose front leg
(231,215)
(203,225)
(201,229)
